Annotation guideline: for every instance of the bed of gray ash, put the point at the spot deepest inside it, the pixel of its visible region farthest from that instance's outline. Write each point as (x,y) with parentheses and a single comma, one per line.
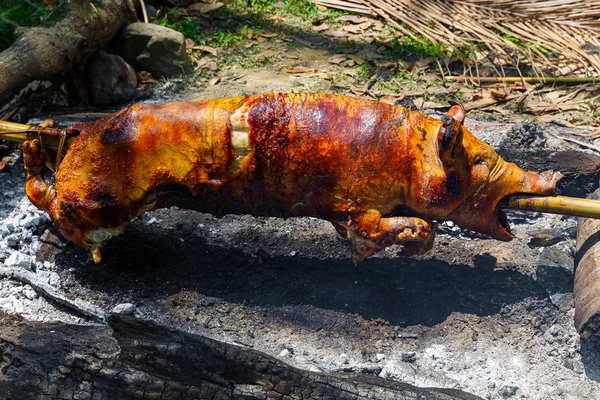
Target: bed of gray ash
(491,318)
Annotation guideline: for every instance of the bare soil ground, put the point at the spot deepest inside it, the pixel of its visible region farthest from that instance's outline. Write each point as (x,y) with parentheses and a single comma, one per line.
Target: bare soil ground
(494,319)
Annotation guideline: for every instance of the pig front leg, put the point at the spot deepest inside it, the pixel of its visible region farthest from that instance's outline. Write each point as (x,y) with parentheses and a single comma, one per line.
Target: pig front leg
(369,233)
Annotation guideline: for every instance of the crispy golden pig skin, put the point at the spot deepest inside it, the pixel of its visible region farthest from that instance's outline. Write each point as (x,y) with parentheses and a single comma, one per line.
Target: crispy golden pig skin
(380,173)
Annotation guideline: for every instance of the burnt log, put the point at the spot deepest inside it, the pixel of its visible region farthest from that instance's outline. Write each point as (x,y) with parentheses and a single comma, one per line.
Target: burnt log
(58,50)
(134,358)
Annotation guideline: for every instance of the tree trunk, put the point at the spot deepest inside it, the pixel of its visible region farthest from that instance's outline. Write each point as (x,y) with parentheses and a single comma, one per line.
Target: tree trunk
(56,51)
(133,358)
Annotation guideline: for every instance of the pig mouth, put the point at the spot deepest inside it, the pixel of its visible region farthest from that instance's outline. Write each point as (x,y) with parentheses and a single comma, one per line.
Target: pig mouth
(503,221)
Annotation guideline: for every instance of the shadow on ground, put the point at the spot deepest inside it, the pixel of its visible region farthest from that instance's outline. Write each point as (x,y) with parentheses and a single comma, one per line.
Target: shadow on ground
(154,262)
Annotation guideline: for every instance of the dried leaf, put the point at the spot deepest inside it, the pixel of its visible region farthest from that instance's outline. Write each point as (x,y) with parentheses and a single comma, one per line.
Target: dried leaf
(498,94)
(276,17)
(553,96)
(338,34)
(303,42)
(352,29)
(354,19)
(356,59)
(268,35)
(2,165)
(424,62)
(214,81)
(500,110)
(145,77)
(207,63)
(434,105)
(321,8)
(368,39)
(207,49)
(337,58)
(249,44)
(391,99)
(299,70)
(320,28)
(419,103)
(212,65)
(365,25)
(204,7)
(279,4)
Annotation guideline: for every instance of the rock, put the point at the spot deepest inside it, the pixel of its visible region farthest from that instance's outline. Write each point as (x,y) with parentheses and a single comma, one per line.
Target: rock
(154,48)
(508,391)
(285,353)
(379,357)
(109,79)
(124,309)
(409,356)
(18,259)
(49,246)
(29,293)
(151,10)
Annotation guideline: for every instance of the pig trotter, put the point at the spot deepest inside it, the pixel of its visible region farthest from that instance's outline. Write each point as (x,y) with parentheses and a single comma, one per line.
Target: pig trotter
(370,233)
(41,193)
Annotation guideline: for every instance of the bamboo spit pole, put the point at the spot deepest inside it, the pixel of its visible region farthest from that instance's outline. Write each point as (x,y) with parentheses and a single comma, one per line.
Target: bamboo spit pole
(563,205)
(50,137)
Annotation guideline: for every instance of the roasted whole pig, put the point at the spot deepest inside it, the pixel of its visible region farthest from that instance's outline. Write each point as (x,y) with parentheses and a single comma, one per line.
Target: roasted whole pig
(380,173)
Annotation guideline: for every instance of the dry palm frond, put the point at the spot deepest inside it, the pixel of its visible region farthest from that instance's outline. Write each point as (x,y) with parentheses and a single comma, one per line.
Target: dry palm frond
(561,34)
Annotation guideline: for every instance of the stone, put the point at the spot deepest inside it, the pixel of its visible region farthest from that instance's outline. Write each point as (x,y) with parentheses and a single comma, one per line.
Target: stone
(124,309)
(49,246)
(18,259)
(155,49)
(109,79)
(508,391)
(284,353)
(409,356)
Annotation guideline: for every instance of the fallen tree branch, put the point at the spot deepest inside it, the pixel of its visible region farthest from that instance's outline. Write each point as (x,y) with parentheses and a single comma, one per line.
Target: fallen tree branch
(56,51)
(47,291)
(527,79)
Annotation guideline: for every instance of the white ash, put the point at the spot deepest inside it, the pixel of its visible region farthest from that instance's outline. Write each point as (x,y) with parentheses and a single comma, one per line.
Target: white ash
(21,225)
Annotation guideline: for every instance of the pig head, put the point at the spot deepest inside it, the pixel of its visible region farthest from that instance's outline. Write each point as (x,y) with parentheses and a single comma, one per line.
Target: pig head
(482,178)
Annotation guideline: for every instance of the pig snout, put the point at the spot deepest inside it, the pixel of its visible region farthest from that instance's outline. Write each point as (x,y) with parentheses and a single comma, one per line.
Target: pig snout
(481,213)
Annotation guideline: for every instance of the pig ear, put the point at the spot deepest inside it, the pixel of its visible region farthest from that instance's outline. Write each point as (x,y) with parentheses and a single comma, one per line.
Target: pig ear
(450,136)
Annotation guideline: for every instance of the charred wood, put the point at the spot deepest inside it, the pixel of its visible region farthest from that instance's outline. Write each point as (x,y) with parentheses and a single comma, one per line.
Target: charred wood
(133,358)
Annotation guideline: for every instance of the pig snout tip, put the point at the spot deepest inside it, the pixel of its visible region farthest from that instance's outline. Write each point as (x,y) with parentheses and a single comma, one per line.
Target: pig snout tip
(553,177)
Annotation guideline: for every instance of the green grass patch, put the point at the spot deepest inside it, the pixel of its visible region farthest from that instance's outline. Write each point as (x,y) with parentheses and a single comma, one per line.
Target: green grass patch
(191,28)
(15,13)
(408,48)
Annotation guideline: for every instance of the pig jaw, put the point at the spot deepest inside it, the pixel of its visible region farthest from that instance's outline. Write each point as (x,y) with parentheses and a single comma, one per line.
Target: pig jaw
(480,212)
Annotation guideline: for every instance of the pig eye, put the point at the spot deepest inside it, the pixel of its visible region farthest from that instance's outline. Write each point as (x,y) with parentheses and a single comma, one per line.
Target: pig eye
(480,161)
